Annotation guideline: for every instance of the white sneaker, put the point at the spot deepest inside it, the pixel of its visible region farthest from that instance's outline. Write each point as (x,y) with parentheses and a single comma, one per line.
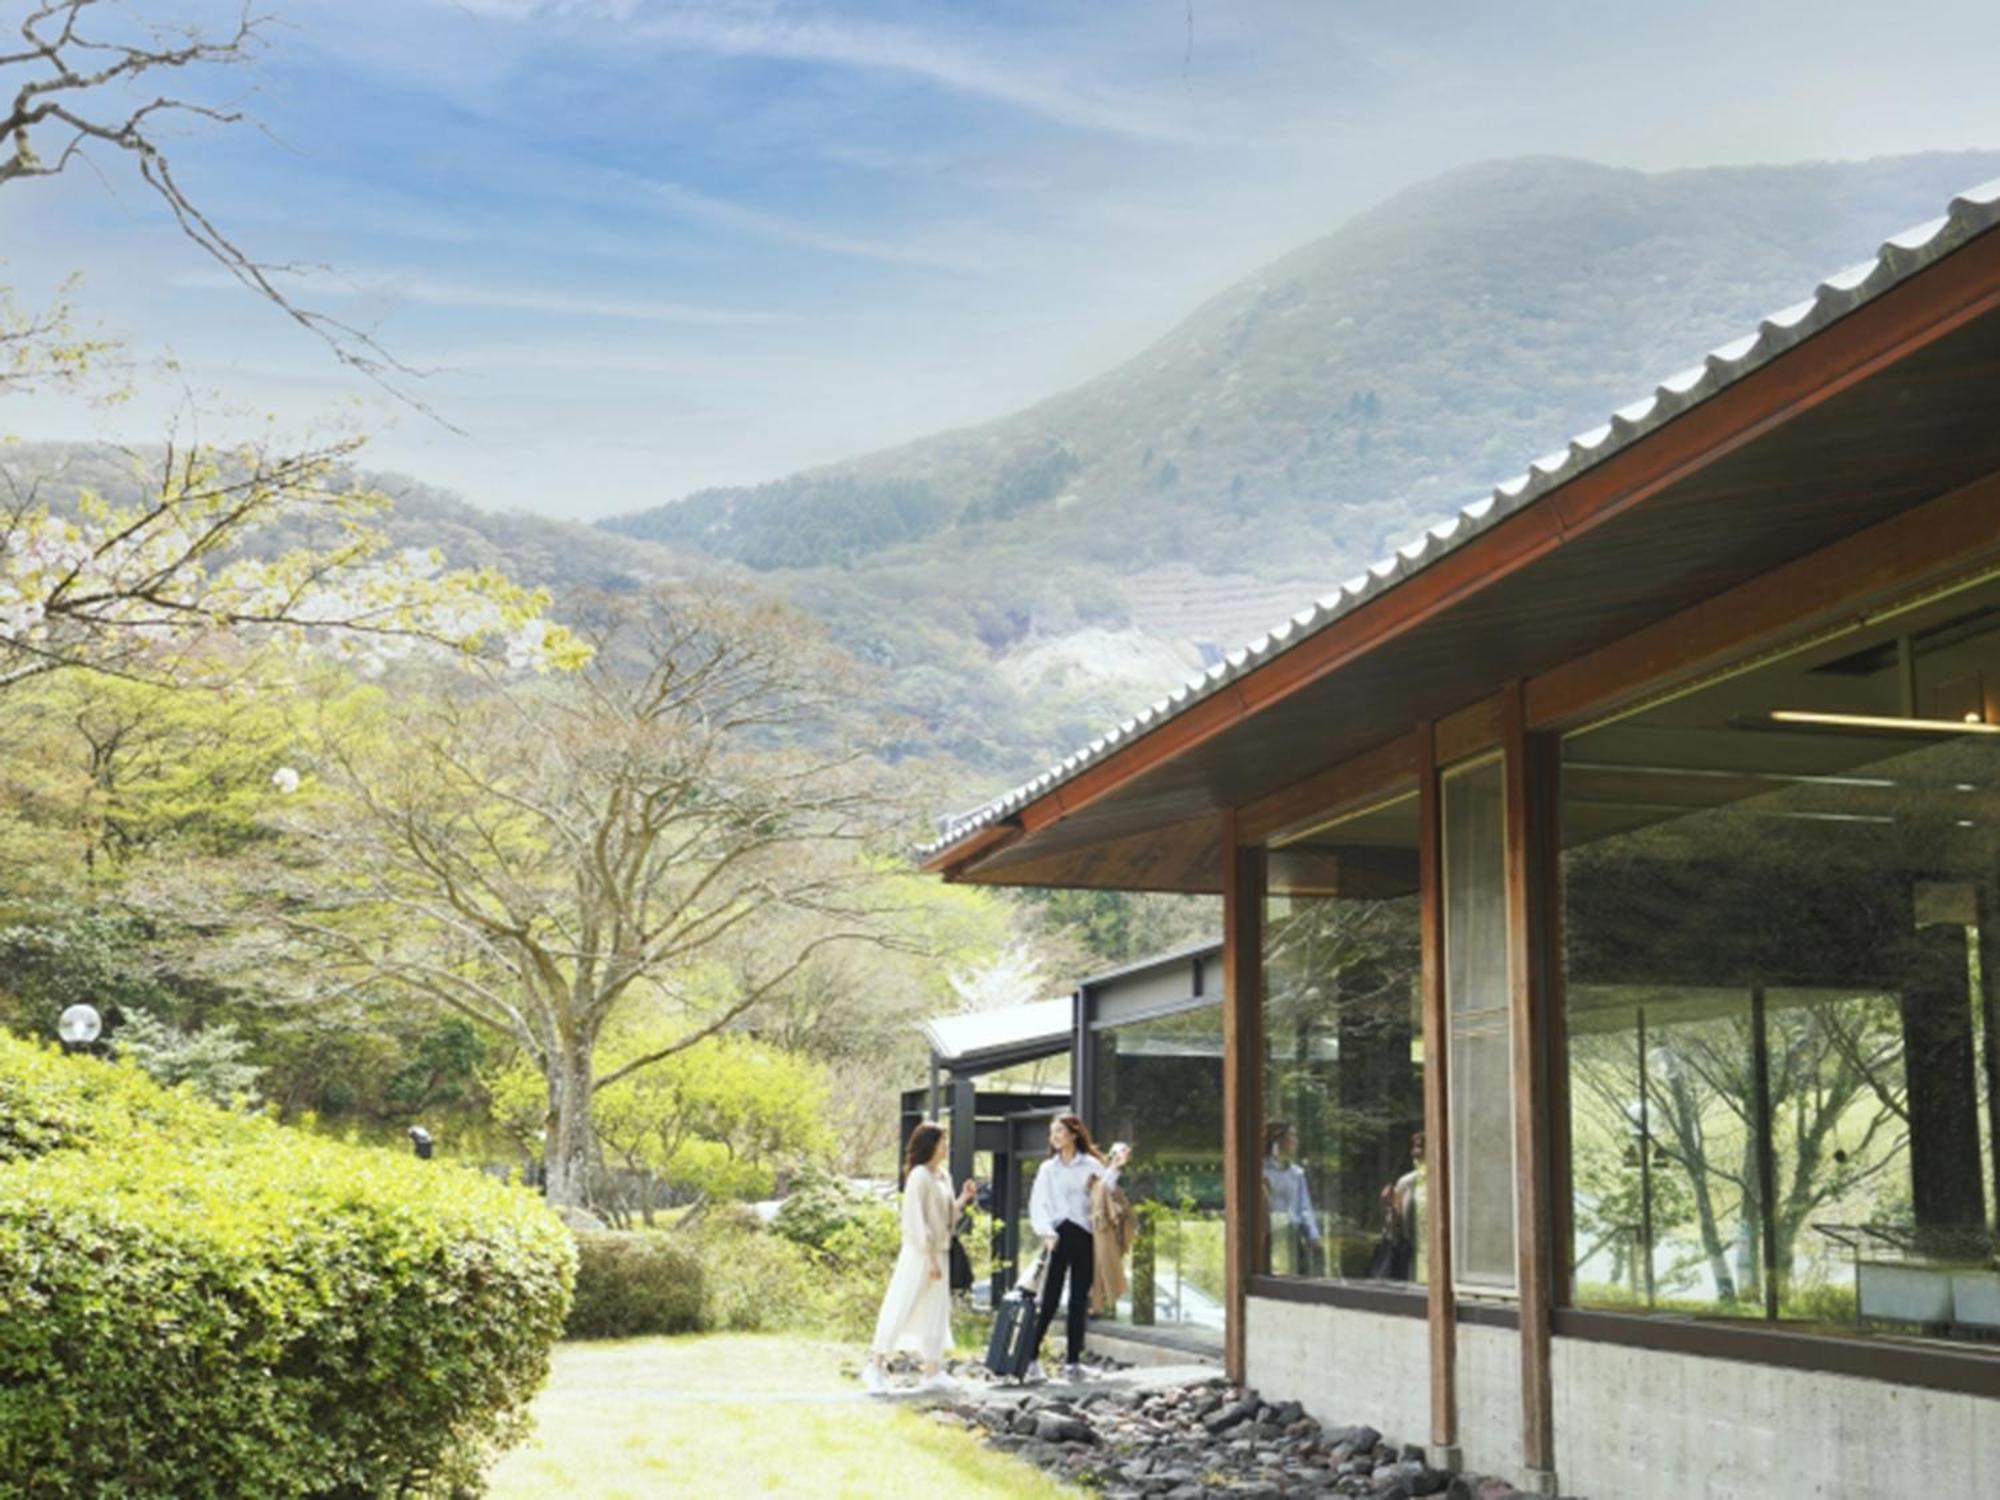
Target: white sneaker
(872,1379)
(1036,1374)
(938,1381)
(1075,1372)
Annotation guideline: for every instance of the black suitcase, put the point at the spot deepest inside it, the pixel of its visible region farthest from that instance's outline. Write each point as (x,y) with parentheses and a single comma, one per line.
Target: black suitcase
(1011,1349)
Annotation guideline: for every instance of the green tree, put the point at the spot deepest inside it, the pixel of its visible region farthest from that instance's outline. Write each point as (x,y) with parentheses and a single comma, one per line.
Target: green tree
(540,857)
(719,1119)
(212,1059)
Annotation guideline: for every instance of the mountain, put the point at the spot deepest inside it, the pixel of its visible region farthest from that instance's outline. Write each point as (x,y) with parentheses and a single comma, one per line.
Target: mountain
(1026,578)
(1024,583)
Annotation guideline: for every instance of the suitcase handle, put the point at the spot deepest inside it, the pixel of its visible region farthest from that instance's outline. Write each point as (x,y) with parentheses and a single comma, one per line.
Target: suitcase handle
(1032,1282)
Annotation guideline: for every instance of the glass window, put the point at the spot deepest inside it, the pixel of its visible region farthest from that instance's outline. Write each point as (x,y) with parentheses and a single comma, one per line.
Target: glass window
(1476,1003)
(1782,986)
(1343,1186)
(1159,1086)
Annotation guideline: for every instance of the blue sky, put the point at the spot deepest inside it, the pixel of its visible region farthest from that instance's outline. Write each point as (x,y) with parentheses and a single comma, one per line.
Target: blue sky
(649,246)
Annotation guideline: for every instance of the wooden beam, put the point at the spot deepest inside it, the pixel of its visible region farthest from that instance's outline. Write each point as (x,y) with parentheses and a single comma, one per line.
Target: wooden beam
(953,861)
(1242,1080)
(1899,323)
(1932,543)
(1443,1300)
(1525,959)
(1471,731)
(1330,793)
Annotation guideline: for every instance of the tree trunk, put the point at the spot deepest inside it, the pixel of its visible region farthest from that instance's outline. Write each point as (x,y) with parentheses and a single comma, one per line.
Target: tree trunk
(1940,1069)
(1684,1121)
(567,1151)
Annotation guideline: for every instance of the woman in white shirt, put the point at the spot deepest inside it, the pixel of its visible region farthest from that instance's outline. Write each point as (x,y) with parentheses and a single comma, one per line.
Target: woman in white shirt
(916,1310)
(1059,1209)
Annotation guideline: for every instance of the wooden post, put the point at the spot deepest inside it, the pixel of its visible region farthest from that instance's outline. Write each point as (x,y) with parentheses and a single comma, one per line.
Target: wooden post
(1528,959)
(1437,1108)
(1242,1079)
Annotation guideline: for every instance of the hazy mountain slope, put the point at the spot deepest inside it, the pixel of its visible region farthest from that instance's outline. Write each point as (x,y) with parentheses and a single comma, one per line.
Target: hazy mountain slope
(562,556)
(1291,430)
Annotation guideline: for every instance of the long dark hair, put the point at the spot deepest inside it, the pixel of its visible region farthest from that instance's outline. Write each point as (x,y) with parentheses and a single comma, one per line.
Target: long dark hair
(1080,1133)
(923,1145)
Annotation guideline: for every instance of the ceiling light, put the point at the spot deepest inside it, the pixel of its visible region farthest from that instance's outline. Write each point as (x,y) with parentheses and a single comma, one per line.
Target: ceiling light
(1881,721)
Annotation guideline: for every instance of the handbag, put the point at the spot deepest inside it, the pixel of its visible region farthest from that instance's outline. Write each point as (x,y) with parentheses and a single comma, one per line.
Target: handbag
(1393,1258)
(959,1272)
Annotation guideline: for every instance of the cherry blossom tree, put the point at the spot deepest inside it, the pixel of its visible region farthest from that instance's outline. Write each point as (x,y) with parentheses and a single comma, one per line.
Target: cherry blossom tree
(249,544)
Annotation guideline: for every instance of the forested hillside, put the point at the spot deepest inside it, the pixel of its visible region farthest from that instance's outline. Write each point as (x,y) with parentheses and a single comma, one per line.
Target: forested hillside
(1026,578)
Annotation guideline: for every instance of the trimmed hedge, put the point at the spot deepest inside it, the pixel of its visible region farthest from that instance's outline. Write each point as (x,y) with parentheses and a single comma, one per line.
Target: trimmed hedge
(634,1283)
(201,1304)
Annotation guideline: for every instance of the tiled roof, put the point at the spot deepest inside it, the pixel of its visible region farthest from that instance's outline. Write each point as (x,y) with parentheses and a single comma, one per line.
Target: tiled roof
(1969,215)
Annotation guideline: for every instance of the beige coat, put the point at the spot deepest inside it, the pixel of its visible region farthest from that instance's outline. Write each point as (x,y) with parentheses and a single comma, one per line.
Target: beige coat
(1112,1226)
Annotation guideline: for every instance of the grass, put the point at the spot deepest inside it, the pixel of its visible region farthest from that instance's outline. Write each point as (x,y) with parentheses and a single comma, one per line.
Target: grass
(739,1415)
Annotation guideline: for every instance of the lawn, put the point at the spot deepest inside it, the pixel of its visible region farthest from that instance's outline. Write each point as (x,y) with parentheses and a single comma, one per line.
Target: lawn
(740,1414)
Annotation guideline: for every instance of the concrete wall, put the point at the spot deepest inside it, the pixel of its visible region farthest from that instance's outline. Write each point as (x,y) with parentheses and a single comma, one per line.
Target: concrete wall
(1345,1366)
(1639,1424)
(1489,1399)
(1636,1424)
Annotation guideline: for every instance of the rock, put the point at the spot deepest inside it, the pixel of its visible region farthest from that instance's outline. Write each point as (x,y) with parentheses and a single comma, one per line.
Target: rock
(1429,1481)
(1286,1413)
(1233,1415)
(1055,1428)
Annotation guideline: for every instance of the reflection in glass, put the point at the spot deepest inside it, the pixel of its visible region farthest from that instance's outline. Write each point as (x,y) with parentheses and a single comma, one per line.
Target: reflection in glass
(1159,1085)
(1477,996)
(1781,989)
(1342,1189)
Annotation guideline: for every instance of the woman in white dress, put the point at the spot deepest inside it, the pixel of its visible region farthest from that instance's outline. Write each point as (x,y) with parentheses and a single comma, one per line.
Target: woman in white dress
(916,1310)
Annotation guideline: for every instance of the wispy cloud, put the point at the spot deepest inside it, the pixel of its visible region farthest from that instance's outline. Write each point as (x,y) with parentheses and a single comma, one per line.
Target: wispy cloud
(1010,80)
(917,250)
(434,293)
(758,30)
(429,291)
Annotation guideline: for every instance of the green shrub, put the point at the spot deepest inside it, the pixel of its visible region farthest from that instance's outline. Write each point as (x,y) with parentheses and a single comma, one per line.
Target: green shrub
(819,1206)
(201,1304)
(635,1283)
(823,1270)
(756,1281)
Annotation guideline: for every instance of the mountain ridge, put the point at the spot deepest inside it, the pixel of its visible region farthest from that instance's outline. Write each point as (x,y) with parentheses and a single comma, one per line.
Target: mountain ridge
(1295,427)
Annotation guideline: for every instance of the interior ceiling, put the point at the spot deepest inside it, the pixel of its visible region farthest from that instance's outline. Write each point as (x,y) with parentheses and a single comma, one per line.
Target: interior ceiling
(1917,430)
(1719,747)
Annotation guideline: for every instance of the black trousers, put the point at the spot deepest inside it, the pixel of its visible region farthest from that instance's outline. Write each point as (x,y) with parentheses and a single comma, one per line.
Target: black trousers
(1074,1257)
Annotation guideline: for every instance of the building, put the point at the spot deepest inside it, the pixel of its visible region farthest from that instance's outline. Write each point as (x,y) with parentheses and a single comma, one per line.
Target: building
(1611,889)
(1137,1051)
